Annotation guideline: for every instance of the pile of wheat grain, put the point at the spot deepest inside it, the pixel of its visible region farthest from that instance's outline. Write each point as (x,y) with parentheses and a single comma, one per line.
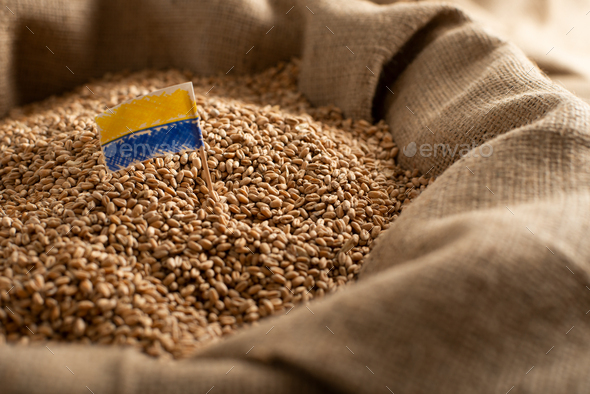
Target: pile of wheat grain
(144,257)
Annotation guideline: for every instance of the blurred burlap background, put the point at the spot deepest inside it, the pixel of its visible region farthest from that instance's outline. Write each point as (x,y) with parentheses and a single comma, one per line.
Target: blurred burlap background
(467,291)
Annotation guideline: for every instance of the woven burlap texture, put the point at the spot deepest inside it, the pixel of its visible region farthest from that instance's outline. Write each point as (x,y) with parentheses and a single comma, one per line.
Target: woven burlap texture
(481,279)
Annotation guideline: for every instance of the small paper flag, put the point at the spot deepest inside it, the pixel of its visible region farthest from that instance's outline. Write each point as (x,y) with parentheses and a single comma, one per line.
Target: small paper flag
(161,122)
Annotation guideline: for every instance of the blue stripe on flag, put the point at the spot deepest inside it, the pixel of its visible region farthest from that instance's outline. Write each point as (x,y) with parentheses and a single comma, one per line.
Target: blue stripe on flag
(145,144)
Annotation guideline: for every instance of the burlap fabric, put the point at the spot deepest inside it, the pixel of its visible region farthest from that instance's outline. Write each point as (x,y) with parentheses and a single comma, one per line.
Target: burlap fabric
(480,286)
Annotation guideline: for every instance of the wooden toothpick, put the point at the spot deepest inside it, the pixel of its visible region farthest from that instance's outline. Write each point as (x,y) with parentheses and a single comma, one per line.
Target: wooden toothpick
(206,173)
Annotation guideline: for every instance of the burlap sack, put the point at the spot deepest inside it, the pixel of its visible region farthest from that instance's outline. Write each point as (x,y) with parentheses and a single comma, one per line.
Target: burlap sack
(480,286)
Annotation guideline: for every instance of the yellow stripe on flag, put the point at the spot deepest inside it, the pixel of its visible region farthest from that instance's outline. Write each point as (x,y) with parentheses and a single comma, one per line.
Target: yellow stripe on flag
(161,107)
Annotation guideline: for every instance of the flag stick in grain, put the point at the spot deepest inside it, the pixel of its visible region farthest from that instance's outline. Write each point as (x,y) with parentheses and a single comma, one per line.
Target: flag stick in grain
(207,175)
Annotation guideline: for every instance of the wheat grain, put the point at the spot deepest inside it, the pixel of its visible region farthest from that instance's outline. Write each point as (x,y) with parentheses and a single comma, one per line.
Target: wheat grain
(145,257)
